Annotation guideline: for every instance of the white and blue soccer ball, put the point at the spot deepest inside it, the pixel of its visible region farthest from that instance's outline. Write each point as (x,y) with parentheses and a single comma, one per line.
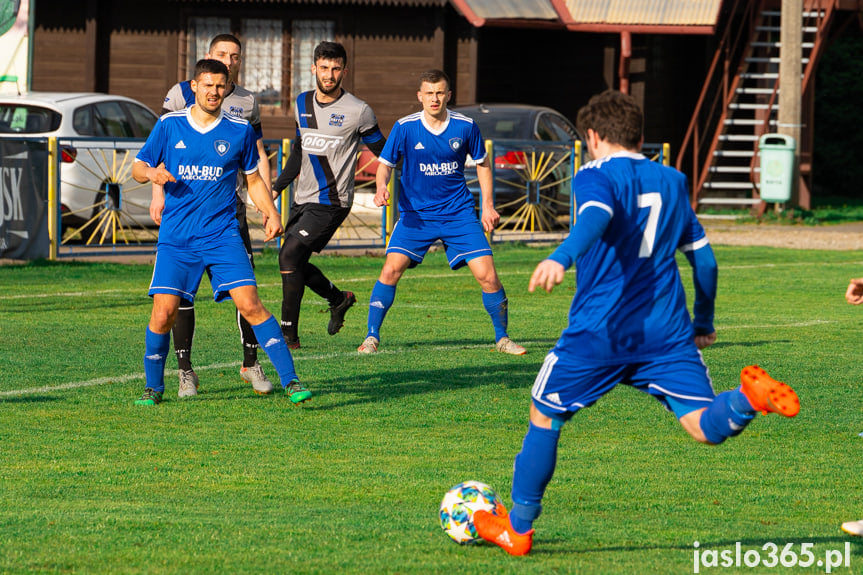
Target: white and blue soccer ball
(458,506)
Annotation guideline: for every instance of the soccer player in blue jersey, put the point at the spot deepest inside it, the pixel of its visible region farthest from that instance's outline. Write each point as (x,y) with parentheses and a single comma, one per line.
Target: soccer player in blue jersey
(197,155)
(241,103)
(435,204)
(331,122)
(628,322)
(854,296)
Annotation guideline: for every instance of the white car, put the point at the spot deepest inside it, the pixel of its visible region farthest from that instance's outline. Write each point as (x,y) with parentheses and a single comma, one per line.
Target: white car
(95,175)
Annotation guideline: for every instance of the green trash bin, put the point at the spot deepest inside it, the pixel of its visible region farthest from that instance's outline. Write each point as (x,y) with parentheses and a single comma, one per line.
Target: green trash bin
(777,167)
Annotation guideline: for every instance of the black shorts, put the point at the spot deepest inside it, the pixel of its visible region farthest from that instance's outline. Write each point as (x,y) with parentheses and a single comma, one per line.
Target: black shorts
(315,224)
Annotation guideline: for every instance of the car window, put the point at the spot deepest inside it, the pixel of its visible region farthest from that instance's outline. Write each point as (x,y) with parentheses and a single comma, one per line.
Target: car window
(561,128)
(500,126)
(143,119)
(544,129)
(110,120)
(82,121)
(25,119)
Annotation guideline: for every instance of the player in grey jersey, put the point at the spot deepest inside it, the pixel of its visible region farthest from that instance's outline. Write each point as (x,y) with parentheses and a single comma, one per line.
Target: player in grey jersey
(330,125)
(239,102)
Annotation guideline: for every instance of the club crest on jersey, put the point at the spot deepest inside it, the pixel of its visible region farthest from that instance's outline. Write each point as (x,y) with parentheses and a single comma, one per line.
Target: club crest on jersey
(455,144)
(236,111)
(222,147)
(337,120)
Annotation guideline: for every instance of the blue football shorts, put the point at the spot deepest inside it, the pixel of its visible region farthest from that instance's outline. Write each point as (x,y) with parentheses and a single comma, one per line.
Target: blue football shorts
(565,383)
(463,239)
(178,270)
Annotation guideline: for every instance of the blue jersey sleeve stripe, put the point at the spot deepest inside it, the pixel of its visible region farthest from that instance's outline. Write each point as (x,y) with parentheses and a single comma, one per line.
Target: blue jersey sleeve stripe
(595,204)
(696,245)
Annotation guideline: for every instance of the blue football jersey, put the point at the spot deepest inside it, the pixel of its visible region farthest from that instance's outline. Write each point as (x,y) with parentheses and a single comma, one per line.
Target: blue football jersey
(630,304)
(206,162)
(432,180)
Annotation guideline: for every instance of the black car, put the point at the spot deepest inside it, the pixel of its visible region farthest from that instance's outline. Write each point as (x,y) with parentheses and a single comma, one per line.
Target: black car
(532,147)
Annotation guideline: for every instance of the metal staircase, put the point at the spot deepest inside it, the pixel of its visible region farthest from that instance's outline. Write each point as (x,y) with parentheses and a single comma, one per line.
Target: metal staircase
(739,101)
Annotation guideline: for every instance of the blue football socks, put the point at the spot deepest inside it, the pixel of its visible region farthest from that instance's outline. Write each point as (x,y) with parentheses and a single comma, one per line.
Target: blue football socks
(156,348)
(380,302)
(269,335)
(498,309)
(534,467)
(727,416)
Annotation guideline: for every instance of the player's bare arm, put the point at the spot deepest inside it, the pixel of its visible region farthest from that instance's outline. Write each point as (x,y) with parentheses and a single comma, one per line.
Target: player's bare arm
(382,178)
(264,164)
(490,217)
(854,293)
(144,173)
(547,274)
(260,195)
(157,203)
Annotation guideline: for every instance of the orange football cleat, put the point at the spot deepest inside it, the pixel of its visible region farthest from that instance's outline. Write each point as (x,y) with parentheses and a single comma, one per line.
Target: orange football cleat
(495,528)
(766,394)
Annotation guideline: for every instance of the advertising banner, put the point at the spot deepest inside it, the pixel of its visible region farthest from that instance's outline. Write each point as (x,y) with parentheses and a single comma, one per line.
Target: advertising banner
(24,199)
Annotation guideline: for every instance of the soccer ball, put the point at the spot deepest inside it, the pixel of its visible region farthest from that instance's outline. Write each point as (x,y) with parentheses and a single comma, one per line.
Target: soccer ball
(458,507)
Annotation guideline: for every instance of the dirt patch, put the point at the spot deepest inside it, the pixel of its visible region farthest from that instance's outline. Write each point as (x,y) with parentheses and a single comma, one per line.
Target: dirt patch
(838,237)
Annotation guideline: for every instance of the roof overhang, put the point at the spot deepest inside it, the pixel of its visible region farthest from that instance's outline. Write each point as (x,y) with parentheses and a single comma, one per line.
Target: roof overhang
(634,16)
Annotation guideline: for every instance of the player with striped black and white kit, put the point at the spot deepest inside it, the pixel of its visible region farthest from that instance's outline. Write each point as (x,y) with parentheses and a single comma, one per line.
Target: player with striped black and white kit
(331,123)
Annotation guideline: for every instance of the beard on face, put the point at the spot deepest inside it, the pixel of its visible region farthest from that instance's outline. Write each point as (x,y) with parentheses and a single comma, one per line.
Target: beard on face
(328,91)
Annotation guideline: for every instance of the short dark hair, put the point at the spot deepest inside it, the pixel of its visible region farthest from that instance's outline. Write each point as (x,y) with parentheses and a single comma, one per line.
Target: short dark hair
(209,66)
(434,76)
(327,50)
(615,117)
(225,38)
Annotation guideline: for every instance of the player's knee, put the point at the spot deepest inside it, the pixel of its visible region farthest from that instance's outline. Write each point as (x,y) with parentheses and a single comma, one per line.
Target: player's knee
(544,421)
(390,275)
(293,255)
(161,319)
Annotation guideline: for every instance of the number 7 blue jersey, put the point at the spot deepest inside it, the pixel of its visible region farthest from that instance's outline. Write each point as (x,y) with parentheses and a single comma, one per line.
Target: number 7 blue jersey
(630,304)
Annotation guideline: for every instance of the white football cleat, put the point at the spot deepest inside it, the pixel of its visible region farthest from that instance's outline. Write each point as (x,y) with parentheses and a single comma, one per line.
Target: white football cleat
(369,345)
(853,527)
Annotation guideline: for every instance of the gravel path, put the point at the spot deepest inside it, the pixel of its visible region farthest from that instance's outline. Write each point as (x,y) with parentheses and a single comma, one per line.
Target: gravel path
(838,237)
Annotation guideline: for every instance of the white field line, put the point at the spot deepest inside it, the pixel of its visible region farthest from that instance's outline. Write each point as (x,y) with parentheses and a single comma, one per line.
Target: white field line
(303,358)
(406,278)
(143,288)
(351,354)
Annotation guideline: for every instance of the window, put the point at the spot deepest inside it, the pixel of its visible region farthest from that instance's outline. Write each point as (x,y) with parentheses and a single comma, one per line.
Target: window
(552,128)
(305,35)
(23,119)
(201,31)
(111,120)
(142,118)
(263,70)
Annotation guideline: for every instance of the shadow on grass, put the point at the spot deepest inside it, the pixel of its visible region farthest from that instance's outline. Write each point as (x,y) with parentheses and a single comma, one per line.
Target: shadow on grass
(377,378)
(28,398)
(721,344)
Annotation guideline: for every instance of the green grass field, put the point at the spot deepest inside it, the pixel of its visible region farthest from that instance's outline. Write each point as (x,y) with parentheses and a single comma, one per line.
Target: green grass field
(230,482)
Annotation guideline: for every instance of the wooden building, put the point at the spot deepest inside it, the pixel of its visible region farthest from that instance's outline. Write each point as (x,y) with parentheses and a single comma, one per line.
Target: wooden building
(140,49)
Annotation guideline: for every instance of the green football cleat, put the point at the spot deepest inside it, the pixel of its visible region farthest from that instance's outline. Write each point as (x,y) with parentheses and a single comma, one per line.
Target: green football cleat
(149,397)
(297,392)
